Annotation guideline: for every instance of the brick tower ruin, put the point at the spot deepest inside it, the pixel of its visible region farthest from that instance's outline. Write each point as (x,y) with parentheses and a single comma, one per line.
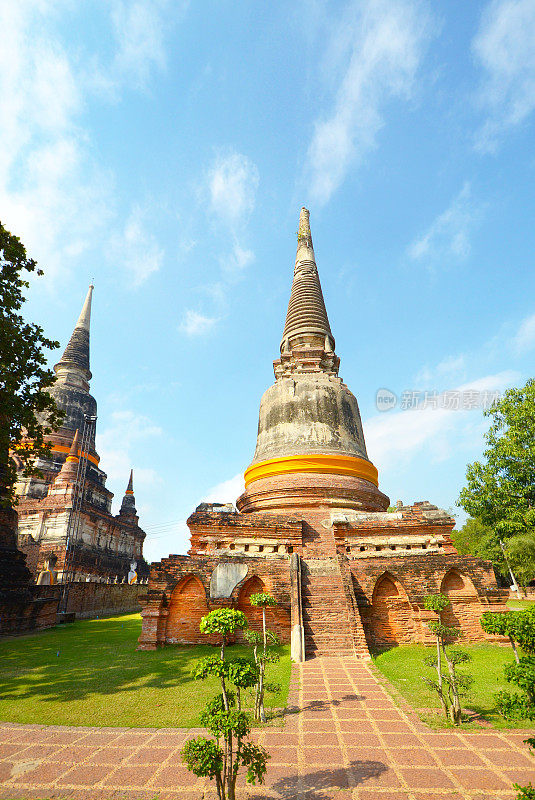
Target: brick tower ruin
(312,527)
(104,545)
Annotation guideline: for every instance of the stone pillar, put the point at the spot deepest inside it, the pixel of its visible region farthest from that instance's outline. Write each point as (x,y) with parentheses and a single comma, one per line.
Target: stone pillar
(297,647)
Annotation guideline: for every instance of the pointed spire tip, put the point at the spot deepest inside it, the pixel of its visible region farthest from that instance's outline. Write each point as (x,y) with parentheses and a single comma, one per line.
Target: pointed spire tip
(84,319)
(304,224)
(130,487)
(73,452)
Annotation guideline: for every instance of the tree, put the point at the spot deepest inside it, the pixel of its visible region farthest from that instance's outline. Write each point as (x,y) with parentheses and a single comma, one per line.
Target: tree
(221,758)
(450,687)
(263,601)
(520,627)
(501,625)
(28,412)
(500,491)
(476,538)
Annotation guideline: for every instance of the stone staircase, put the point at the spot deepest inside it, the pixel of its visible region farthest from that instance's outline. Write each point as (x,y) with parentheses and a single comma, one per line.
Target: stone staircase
(332,624)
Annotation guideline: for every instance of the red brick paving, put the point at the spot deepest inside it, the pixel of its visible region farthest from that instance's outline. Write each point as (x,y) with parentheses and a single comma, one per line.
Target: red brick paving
(349,742)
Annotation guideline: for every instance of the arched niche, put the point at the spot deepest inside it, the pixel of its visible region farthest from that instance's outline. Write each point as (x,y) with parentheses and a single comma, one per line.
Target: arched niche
(187,606)
(465,607)
(254,614)
(277,617)
(456,583)
(390,619)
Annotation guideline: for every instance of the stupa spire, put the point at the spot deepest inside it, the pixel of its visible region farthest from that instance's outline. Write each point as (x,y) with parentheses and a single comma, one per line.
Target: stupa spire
(306,310)
(69,468)
(130,487)
(76,355)
(307,342)
(309,422)
(128,506)
(73,452)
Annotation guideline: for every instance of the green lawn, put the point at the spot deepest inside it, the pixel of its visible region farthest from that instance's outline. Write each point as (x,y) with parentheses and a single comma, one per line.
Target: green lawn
(519,605)
(89,673)
(404,667)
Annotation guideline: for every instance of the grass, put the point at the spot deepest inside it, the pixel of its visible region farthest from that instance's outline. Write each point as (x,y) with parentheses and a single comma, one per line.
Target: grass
(404,667)
(89,673)
(520,605)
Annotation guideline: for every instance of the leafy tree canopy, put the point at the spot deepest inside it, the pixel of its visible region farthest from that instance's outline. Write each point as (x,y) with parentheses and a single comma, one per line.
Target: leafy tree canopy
(500,490)
(27,411)
(223,621)
(262,599)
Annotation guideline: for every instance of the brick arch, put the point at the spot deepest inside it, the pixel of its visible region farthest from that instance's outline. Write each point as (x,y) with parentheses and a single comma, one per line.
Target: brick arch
(455,583)
(465,608)
(390,620)
(186,608)
(277,617)
(253,614)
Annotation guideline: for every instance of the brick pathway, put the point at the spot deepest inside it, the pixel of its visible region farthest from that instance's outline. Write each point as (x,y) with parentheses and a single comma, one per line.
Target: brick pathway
(348,741)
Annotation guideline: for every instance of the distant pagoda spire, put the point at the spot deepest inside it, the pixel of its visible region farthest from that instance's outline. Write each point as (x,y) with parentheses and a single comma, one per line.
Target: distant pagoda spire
(128,506)
(307,342)
(69,468)
(73,452)
(76,355)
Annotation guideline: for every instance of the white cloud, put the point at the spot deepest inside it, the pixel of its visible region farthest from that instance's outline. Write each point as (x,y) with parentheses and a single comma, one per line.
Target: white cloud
(504,48)
(231,184)
(197,324)
(138,26)
(233,181)
(50,193)
(227,491)
(448,367)
(524,340)
(236,261)
(448,237)
(394,437)
(53,194)
(136,249)
(384,41)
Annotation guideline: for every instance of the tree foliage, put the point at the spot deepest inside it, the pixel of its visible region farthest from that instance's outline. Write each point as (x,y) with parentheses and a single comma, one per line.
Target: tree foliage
(221,758)
(500,490)
(265,655)
(519,626)
(450,686)
(526,792)
(27,410)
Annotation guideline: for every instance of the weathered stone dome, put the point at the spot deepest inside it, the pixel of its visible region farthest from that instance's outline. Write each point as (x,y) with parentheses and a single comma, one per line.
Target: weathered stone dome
(311,413)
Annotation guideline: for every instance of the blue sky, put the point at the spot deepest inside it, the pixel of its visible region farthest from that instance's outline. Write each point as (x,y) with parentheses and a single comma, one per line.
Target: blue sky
(164,149)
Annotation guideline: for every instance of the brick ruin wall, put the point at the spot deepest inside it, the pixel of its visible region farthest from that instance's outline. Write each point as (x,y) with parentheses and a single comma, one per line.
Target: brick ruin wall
(349,598)
(35,610)
(104,599)
(179,595)
(390,596)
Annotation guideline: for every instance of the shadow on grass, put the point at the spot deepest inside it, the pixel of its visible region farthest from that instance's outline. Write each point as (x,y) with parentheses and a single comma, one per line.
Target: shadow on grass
(95,658)
(90,657)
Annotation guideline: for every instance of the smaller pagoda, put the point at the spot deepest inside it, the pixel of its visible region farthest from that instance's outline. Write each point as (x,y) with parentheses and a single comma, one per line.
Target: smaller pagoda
(97,545)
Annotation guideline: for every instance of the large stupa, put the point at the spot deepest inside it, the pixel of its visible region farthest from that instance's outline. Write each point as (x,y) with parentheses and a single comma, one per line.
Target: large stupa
(312,527)
(310,446)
